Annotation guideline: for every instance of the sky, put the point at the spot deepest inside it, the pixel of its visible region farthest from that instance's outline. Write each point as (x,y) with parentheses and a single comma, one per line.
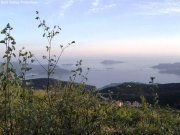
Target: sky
(101,28)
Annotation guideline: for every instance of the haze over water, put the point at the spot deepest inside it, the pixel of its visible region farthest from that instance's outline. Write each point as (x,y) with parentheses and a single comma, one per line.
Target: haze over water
(132,69)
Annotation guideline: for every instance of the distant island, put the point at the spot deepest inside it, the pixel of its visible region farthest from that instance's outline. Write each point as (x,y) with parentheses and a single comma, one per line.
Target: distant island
(38,71)
(168,68)
(111,62)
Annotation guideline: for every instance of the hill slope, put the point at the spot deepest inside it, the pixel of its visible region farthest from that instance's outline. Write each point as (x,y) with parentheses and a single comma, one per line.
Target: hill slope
(40,83)
(169,94)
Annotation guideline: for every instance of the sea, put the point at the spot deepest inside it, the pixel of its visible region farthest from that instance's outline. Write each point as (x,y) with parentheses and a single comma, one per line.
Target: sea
(132,69)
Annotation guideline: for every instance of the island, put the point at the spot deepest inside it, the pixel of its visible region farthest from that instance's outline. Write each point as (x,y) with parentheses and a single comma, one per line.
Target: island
(168,68)
(111,62)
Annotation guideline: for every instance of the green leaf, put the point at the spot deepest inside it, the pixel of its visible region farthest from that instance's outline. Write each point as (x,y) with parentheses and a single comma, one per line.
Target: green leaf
(4,56)
(44,57)
(39,25)
(57,32)
(32,61)
(2,41)
(13,42)
(13,47)
(8,26)
(9,48)
(14,55)
(59,28)
(3,31)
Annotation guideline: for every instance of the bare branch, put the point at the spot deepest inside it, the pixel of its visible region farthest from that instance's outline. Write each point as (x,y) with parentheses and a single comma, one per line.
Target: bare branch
(40,64)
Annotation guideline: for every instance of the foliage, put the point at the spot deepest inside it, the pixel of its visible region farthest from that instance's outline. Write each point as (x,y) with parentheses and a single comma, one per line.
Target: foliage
(52,60)
(24,58)
(155,94)
(75,111)
(8,78)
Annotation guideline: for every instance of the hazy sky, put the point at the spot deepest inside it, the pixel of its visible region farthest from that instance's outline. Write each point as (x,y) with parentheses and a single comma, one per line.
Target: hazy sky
(101,28)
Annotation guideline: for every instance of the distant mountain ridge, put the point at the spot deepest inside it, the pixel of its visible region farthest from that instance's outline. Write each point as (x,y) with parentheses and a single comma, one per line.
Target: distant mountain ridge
(40,83)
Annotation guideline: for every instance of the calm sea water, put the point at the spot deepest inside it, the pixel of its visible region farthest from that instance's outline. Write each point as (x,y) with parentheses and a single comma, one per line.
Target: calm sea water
(132,70)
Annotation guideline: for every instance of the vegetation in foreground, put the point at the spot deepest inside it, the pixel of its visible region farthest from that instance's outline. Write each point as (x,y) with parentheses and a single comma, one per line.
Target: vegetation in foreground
(75,111)
(71,109)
